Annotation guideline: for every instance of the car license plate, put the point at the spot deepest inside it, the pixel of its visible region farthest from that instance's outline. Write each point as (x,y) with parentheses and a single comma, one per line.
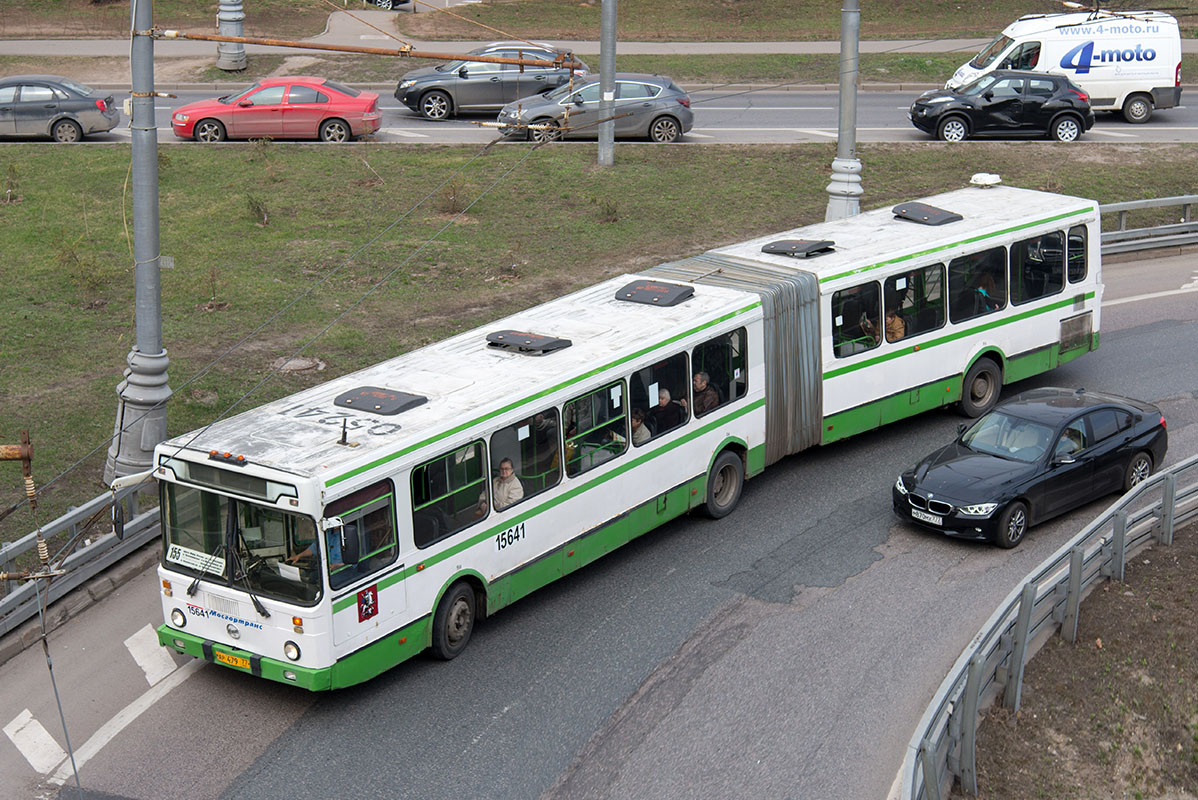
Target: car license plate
(926,517)
(232,661)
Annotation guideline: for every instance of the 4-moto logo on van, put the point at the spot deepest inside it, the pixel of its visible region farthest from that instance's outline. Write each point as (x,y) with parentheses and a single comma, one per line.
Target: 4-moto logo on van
(1082,57)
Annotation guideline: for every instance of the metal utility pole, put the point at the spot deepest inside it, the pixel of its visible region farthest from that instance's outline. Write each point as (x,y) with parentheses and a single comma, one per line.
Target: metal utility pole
(229,16)
(142,395)
(607,83)
(845,188)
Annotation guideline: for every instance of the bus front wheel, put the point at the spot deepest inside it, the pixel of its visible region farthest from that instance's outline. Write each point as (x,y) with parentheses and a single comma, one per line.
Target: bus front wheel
(454,621)
(980,390)
(724,484)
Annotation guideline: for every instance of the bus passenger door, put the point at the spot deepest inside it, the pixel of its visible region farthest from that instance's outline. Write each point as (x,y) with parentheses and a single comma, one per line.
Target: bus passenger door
(366,573)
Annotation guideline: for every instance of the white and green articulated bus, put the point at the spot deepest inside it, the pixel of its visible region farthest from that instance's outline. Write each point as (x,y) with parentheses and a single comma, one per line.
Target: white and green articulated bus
(328,536)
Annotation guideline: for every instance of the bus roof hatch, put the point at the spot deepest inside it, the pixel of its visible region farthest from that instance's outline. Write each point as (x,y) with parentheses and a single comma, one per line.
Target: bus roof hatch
(798,248)
(655,293)
(533,344)
(925,214)
(377,400)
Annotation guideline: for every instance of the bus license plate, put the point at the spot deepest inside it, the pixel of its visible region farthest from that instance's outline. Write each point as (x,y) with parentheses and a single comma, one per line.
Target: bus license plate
(926,517)
(232,661)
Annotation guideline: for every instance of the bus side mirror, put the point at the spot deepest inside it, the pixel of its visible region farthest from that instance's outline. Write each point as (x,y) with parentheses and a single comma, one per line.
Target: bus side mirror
(350,550)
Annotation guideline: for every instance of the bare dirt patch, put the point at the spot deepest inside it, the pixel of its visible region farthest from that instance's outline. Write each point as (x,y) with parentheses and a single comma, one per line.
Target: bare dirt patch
(1116,715)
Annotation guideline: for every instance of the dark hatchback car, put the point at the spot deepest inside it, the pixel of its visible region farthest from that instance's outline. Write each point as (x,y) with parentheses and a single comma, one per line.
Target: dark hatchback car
(54,106)
(1038,455)
(468,86)
(1006,103)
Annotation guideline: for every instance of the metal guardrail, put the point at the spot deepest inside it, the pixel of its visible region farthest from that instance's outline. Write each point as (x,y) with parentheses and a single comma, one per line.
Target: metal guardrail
(19,602)
(991,666)
(1128,240)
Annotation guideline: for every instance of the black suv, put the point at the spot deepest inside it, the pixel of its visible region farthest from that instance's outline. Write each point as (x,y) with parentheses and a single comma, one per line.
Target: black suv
(1004,103)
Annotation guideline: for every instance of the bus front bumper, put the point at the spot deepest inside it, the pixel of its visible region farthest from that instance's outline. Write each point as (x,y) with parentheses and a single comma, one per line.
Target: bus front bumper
(244,661)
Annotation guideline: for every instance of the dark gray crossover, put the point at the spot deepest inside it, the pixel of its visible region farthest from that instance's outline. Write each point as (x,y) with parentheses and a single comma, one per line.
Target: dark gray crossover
(1006,103)
(645,106)
(1038,455)
(468,86)
(54,106)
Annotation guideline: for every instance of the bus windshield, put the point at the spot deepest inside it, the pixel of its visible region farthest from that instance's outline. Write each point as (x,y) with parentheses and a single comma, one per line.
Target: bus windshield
(992,51)
(240,544)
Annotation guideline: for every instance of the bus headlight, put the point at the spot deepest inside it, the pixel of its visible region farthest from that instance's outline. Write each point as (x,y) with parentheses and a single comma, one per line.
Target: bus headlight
(292,651)
(178,618)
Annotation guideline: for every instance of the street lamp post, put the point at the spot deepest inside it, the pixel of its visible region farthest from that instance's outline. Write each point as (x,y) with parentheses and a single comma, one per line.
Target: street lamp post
(845,189)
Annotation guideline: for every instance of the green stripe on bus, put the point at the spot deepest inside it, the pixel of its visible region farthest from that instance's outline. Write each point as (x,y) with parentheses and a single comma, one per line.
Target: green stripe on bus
(970,240)
(530,398)
(869,362)
(487,533)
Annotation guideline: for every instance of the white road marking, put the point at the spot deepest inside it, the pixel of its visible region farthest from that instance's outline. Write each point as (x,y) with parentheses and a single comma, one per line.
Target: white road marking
(1104,132)
(122,719)
(1187,289)
(374,36)
(402,132)
(699,135)
(149,655)
(34,742)
(1193,284)
(816,132)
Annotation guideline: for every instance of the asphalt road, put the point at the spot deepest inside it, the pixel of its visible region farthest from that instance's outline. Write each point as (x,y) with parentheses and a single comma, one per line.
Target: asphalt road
(785,651)
(733,116)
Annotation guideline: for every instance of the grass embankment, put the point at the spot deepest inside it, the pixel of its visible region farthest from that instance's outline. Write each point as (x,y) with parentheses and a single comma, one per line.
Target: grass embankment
(252,226)
(639,20)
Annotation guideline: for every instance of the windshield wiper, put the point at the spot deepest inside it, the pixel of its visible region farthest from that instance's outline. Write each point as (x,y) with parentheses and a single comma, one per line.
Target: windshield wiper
(245,579)
(191,590)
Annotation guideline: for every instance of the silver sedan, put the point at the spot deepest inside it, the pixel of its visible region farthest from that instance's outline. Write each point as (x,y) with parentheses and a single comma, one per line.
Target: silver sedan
(645,106)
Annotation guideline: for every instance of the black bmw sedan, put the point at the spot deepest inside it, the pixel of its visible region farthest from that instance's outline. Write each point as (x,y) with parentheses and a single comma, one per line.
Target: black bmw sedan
(1006,102)
(1038,455)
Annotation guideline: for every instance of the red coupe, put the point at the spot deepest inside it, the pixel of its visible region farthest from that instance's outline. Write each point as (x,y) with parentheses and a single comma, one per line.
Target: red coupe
(282,108)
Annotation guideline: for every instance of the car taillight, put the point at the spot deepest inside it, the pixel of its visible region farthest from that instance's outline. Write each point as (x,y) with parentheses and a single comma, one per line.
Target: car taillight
(1085,98)
(1177,79)
(100,104)
(686,101)
(1163,421)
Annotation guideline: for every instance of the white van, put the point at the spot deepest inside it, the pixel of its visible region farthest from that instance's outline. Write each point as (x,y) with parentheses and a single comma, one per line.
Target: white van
(1126,61)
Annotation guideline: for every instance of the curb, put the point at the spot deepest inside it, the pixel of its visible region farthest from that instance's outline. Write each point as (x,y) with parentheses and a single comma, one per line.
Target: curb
(67,608)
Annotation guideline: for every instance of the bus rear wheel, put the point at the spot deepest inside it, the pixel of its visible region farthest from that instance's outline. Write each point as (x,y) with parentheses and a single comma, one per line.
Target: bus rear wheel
(981,387)
(454,621)
(724,484)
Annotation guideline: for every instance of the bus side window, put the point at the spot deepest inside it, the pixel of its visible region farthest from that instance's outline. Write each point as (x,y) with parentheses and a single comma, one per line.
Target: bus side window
(367,542)
(725,363)
(1075,253)
(533,447)
(914,302)
(855,317)
(1037,267)
(596,428)
(977,284)
(659,393)
(448,493)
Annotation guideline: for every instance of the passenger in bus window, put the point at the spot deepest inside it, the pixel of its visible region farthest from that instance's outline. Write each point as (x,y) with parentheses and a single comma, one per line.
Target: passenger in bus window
(706,396)
(667,414)
(640,431)
(895,327)
(990,300)
(506,488)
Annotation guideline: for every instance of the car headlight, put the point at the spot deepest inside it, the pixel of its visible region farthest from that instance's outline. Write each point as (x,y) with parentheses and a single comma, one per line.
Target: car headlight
(292,651)
(178,619)
(180,118)
(406,85)
(979,510)
(900,486)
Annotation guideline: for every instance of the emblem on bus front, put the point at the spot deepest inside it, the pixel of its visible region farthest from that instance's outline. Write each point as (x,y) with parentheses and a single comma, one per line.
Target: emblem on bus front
(233,632)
